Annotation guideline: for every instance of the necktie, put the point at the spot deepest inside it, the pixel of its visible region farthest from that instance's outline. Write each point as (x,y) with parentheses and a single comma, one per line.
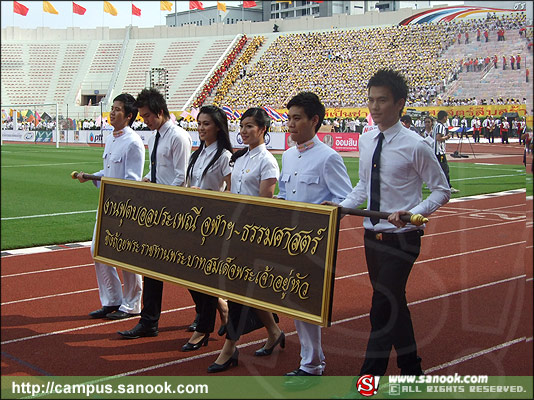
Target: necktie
(153,159)
(375,179)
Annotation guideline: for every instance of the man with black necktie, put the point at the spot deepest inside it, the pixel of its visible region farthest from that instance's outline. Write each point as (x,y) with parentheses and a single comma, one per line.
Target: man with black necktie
(394,163)
(169,151)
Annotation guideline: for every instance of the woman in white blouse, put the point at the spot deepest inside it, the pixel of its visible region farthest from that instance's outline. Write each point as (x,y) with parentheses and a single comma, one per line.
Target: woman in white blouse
(209,168)
(255,172)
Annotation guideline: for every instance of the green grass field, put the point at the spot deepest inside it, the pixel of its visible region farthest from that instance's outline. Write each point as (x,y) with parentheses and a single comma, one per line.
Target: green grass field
(42,204)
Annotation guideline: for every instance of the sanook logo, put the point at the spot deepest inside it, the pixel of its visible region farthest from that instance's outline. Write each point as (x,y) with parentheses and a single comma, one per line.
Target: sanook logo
(367,385)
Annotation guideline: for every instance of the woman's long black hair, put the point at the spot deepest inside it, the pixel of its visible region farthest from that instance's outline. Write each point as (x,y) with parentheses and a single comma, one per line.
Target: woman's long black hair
(223,138)
(262,120)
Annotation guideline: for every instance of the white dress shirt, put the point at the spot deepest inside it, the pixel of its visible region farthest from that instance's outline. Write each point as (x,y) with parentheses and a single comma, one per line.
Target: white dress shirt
(406,162)
(124,157)
(251,168)
(214,178)
(172,154)
(313,176)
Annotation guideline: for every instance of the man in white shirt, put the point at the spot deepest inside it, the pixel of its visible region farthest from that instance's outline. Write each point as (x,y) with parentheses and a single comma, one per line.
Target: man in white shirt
(124,158)
(311,172)
(394,163)
(169,153)
(455,123)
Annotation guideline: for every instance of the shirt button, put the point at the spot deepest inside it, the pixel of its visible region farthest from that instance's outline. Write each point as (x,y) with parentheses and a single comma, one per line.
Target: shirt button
(295,173)
(294,191)
(300,155)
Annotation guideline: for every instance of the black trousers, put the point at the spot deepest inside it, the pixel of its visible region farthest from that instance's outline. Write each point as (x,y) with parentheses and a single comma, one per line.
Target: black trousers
(442,159)
(206,307)
(152,294)
(389,262)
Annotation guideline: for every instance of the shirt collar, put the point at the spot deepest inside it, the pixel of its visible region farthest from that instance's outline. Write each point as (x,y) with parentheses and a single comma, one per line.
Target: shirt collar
(307,145)
(391,132)
(210,149)
(165,127)
(256,150)
(118,134)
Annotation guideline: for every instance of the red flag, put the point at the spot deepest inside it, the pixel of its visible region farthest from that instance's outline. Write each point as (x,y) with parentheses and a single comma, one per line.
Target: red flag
(19,8)
(76,9)
(196,5)
(136,11)
(249,4)
(316,1)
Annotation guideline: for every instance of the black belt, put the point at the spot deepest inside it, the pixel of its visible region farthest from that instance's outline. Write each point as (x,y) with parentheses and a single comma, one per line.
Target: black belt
(374,235)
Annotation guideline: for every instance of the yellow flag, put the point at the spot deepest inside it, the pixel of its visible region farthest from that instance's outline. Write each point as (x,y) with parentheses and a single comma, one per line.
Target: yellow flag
(49,8)
(108,7)
(285,1)
(221,6)
(165,6)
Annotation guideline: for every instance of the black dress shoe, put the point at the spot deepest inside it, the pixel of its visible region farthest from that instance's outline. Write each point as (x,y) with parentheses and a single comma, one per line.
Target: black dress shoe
(120,315)
(191,347)
(267,352)
(299,372)
(139,331)
(232,362)
(300,380)
(193,326)
(103,311)
(222,330)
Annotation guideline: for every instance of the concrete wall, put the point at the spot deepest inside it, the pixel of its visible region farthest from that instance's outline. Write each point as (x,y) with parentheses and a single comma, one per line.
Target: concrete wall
(339,21)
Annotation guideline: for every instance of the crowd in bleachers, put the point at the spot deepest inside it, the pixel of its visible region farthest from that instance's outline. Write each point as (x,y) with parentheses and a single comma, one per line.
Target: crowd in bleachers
(337,64)
(218,74)
(238,69)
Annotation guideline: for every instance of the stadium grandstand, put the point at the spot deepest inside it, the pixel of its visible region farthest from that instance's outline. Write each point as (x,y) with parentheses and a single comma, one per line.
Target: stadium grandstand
(242,65)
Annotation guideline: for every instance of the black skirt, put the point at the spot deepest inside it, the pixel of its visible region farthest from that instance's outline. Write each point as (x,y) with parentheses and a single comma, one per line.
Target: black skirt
(242,320)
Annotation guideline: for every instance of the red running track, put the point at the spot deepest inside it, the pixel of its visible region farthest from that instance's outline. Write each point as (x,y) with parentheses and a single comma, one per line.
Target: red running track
(470,295)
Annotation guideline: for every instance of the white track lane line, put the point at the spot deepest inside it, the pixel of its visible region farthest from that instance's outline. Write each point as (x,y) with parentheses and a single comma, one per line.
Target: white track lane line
(80,328)
(337,278)
(47,270)
(475,355)
(213,353)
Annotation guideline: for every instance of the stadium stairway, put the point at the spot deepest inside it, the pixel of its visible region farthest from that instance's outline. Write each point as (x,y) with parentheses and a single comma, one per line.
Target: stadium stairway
(496,83)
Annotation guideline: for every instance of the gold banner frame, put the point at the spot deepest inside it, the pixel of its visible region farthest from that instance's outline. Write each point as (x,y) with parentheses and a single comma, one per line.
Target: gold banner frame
(115,212)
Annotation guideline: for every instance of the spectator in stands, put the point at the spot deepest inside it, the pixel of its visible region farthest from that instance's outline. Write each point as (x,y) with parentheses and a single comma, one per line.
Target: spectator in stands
(310,157)
(255,173)
(124,158)
(209,169)
(169,151)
